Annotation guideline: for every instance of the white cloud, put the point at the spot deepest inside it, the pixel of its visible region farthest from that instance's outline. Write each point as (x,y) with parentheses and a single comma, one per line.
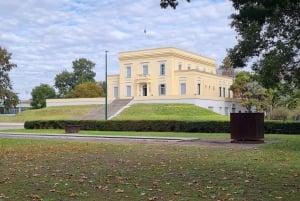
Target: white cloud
(46,36)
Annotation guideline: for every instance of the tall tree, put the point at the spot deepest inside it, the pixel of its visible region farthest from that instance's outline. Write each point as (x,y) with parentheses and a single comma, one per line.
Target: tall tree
(269,38)
(82,72)
(7,97)
(40,94)
(226,67)
(64,82)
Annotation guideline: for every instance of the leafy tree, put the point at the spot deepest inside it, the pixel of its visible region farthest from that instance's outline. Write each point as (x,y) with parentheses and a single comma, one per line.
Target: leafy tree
(103,87)
(226,67)
(40,94)
(256,95)
(7,97)
(64,82)
(82,72)
(241,79)
(284,97)
(251,93)
(269,37)
(86,90)
(172,3)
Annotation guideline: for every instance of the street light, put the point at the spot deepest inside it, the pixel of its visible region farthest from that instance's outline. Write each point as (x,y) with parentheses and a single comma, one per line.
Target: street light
(106,85)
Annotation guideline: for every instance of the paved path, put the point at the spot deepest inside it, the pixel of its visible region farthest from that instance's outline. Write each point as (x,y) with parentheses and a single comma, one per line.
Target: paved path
(91,137)
(123,139)
(6,126)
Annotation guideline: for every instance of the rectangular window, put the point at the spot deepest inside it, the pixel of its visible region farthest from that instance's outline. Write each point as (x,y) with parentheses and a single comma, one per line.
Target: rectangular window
(179,67)
(226,110)
(128,90)
(182,88)
(224,92)
(128,71)
(228,93)
(162,69)
(116,92)
(162,89)
(220,91)
(145,69)
(198,88)
(189,67)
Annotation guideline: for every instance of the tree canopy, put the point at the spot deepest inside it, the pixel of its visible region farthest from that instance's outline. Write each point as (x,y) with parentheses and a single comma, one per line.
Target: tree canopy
(269,38)
(251,92)
(86,90)
(82,72)
(172,3)
(40,94)
(7,97)
(226,68)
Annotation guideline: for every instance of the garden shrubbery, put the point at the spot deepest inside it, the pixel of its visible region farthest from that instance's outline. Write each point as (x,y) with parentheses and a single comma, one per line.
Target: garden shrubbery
(279,113)
(280,127)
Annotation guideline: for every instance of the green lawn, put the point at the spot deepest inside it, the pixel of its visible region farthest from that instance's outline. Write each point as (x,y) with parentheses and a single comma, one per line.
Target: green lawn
(122,133)
(168,112)
(51,113)
(60,170)
(135,112)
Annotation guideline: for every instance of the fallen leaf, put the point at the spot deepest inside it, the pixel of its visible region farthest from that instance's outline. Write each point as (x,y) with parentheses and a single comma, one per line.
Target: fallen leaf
(119,191)
(153,198)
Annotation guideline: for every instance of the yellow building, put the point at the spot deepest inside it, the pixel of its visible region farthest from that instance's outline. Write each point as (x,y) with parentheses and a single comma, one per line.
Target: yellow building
(171,75)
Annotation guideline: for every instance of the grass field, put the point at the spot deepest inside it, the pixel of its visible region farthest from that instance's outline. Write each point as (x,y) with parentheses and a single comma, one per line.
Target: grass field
(60,170)
(168,112)
(135,112)
(51,113)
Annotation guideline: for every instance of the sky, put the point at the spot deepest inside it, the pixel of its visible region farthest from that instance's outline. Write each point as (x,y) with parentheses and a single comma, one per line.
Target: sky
(45,36)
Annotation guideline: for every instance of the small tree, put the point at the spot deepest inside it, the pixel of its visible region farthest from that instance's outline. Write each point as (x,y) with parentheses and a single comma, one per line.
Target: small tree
(251,93)
(40,94)
(240,81)
(256,96)
(86,90)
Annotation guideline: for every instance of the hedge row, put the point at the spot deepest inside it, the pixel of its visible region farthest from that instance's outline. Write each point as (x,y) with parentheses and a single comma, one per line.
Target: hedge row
(279,127)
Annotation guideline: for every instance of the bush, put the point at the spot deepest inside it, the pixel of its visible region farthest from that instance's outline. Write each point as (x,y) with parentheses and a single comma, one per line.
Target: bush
(296,114)
(280,127)
(279,113)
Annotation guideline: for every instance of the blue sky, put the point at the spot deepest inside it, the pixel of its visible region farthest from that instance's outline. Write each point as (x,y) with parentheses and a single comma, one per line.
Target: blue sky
(46,36)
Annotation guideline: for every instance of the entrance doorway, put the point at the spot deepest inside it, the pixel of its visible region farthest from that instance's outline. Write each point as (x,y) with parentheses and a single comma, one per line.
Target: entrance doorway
(144,90)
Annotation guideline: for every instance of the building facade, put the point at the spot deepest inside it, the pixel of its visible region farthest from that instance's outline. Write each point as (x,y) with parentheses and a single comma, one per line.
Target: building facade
(171,75)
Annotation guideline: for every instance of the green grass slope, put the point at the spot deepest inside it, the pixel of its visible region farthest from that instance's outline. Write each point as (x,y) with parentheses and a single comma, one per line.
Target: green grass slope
(135,112)
(51,113)
(168,112)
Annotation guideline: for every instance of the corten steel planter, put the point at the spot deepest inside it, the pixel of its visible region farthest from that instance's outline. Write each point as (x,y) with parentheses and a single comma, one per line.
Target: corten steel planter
(247,127)
(72,128)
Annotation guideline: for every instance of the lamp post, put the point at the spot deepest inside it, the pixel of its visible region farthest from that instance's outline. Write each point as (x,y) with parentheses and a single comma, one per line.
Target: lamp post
(106,85)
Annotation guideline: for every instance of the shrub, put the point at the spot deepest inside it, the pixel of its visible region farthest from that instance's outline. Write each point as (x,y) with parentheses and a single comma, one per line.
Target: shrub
(280,127)
(296,114)
(279,113)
